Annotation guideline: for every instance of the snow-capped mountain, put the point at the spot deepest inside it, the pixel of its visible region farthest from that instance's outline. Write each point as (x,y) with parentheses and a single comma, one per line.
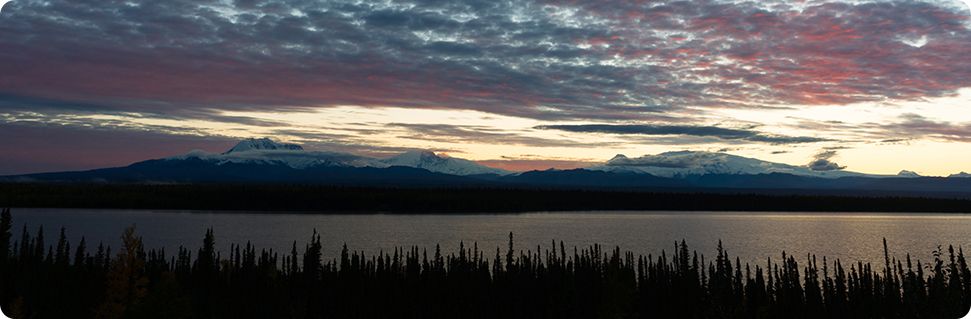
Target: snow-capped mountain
(960,175)
(906,173)
(439,164)
(291,158)
(690,163)
(266,161)
(265,144)
(269,152)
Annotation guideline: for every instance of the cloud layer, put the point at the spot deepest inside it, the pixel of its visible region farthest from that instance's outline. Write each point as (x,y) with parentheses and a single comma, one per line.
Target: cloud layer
(698,131)
(821,162)
(539,59)
(644,72)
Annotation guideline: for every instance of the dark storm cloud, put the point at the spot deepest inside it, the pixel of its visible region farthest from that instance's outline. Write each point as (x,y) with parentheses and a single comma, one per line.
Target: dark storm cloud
(700,131)
(821,162)
(618,60)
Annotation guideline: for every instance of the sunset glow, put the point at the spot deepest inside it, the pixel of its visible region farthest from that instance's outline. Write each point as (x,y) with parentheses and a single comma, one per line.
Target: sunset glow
(520,85)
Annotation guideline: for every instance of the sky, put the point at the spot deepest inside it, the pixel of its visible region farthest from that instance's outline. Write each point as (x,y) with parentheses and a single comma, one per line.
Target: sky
(869,86)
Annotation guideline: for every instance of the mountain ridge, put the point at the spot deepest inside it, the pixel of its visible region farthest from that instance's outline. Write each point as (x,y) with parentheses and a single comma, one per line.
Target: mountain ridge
(266,161)
(262,144)
(433,162)
(269,152)
(680,164)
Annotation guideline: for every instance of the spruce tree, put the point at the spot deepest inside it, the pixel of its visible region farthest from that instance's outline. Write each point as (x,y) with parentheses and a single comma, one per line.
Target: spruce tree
(126,282)
(6,223)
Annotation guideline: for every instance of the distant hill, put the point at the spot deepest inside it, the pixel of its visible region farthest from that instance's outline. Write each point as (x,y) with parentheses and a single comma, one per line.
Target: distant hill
(690,163)
(267,161)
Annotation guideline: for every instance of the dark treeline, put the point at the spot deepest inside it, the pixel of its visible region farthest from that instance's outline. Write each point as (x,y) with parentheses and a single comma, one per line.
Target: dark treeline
(320,198)
(44,278)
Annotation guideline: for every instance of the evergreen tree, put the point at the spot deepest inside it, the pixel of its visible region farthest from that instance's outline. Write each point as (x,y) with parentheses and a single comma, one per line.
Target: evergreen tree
(413,283)
(6,223)
(126,282)
(80,254)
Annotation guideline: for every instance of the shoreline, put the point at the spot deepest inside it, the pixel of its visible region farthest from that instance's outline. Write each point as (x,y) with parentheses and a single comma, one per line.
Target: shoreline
(319,199)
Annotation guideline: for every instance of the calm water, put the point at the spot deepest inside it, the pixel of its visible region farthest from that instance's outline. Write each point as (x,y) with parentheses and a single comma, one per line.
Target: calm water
(751,236)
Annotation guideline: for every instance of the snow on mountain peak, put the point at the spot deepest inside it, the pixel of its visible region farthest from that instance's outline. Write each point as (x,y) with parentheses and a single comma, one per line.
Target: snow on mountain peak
(687,163)
(906,173)
(267,152)
(428,160)
(252,144)
(960,175)
(618,157)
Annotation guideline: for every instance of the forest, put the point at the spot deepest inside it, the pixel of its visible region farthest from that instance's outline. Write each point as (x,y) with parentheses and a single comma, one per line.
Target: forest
(418,200)
(43,276)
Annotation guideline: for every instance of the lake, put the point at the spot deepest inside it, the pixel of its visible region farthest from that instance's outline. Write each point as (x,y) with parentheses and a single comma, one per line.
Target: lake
(751,236)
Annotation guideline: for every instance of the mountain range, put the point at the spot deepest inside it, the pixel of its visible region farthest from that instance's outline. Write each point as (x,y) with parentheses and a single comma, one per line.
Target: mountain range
(266,161)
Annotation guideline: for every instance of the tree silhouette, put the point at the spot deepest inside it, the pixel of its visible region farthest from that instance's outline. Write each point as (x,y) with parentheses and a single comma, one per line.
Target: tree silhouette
(126,282)
(6,223)
(548,282)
